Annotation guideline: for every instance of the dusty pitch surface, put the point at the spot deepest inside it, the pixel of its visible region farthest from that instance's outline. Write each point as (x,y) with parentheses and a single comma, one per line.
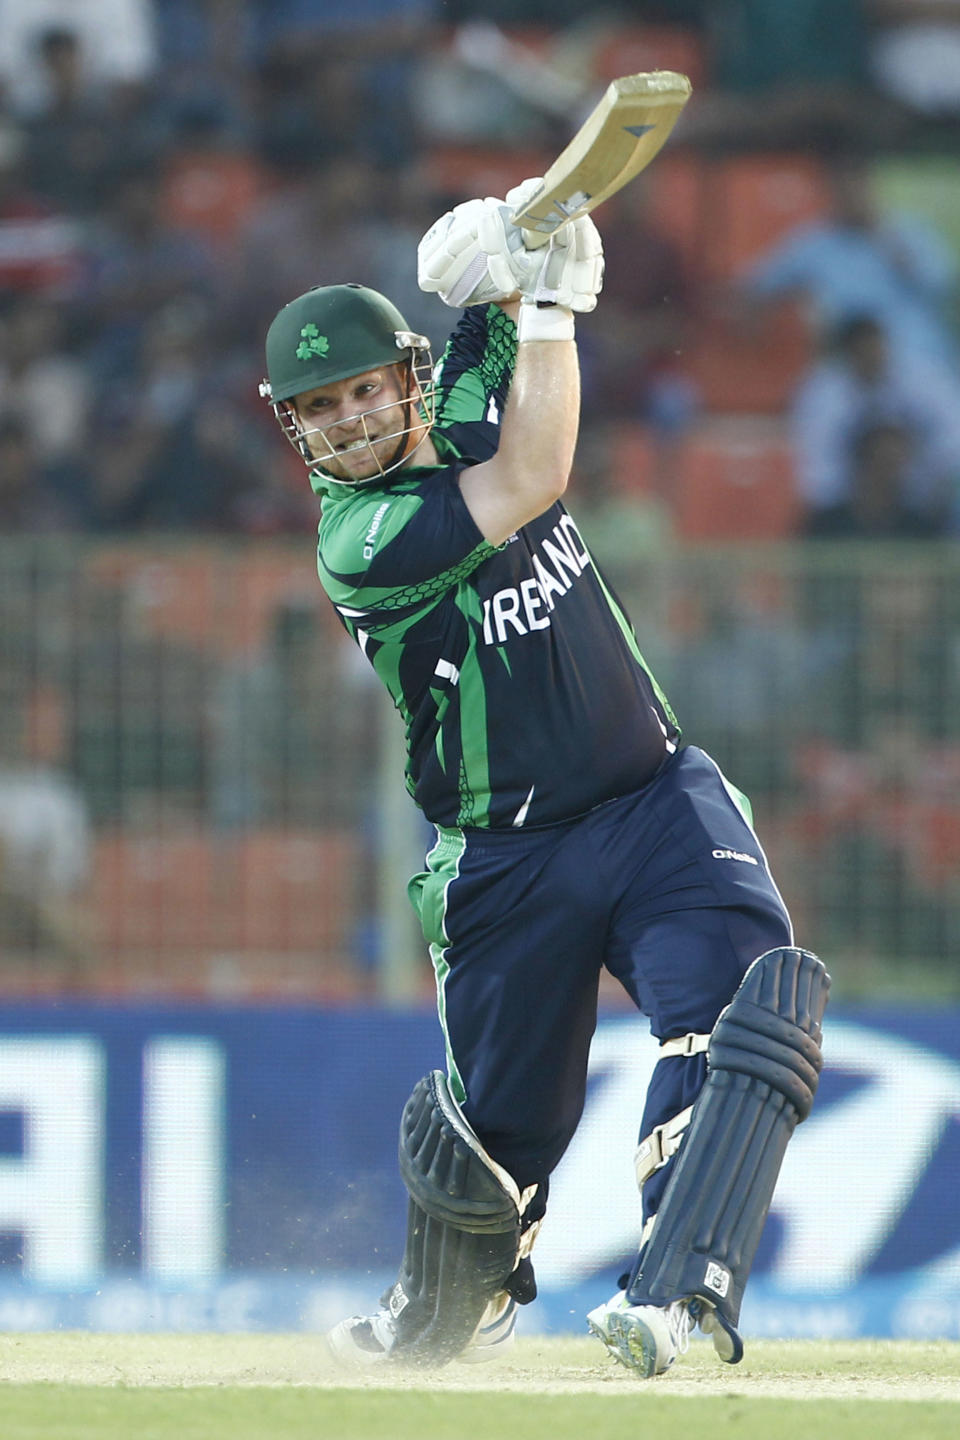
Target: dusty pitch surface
(861,1370)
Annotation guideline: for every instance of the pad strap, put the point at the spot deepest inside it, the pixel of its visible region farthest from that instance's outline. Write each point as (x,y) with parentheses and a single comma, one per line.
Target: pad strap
(662,1142)
(691,1044)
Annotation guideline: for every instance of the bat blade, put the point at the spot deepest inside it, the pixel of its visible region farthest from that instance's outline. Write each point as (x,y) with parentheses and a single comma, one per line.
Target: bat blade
(617,140)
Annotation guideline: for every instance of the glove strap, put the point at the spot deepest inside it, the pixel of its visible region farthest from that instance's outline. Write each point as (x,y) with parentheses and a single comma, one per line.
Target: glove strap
(544,322)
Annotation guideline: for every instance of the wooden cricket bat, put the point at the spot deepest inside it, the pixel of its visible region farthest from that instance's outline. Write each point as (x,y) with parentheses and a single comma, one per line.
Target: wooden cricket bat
(616,141)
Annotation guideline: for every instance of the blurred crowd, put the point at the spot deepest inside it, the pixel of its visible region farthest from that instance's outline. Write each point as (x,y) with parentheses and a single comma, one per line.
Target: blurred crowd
(776,355)
(171,171)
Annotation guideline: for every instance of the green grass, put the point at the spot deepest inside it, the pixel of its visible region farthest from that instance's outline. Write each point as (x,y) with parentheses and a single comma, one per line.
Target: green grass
(37,1412)
(247,1387)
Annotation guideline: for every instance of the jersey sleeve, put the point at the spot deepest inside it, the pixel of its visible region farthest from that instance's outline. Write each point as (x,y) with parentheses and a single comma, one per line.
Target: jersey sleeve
(473,380)
(387,558)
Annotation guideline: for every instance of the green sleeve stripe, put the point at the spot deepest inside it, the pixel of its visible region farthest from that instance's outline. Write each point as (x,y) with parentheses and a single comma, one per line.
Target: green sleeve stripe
(468,396)
(466,400)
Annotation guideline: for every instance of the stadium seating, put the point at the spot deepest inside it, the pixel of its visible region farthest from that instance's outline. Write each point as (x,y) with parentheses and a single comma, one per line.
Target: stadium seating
(754,200)
(723,213)
(734,481)
(750,372)
(210,193)
(189,903)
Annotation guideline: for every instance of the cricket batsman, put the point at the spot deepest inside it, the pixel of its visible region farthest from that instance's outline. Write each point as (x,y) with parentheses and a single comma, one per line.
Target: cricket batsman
(574,832)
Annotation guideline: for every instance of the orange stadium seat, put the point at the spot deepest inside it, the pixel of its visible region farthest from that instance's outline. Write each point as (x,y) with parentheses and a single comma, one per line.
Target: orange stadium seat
(724,213)
(752,201)
(172,593)
(633,459)
(734,481)
(199,894)
(750,373)
(153,893)
(203,597)
(210,193)
(677,197)
(288,890)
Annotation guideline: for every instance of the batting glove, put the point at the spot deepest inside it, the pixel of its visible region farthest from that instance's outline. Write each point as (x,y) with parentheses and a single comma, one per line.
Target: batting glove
(452,263)
(567,271)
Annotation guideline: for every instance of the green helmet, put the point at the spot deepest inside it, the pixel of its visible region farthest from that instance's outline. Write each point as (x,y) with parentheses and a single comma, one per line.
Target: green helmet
(329,334)
(332,332)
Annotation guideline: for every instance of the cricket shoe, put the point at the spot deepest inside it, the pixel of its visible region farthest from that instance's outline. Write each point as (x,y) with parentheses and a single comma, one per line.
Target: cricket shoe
(644,1338)
(364,1341)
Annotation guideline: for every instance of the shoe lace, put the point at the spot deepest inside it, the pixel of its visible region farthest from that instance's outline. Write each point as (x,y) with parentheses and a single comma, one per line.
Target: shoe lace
(680,1323)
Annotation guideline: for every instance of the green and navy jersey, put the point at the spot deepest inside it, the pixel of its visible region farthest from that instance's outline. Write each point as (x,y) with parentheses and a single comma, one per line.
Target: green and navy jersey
(525,698)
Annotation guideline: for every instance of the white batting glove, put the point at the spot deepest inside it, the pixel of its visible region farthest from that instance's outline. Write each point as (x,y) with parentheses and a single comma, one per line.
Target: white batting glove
(567,271)
(452,263)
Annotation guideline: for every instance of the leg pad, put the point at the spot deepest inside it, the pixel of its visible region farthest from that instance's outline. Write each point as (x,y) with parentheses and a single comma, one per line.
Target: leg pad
(764,1063)
(463,1228)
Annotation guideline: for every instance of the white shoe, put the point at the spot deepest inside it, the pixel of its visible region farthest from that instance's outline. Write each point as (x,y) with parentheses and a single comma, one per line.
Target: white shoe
(367,1340)
(644,1338)
(363,1340)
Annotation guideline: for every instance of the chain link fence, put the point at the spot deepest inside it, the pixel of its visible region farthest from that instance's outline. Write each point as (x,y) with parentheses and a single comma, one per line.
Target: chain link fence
(200,780)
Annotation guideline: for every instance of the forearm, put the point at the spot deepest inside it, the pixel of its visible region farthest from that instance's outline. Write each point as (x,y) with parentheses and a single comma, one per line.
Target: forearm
(540,426)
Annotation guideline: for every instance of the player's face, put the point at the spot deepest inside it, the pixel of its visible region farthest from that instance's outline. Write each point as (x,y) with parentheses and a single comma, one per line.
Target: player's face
(354,425)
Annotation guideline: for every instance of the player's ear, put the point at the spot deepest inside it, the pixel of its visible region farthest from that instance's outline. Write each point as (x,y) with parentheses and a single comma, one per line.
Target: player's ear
(407,379)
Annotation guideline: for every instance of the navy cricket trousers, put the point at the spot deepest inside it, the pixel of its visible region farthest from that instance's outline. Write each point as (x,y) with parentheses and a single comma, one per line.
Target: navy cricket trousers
(667,888)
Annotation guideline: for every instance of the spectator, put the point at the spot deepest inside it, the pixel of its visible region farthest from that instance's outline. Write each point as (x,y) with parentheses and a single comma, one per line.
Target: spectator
(33,497)
(115,37)
(139,265)
(69,136)
(878,507)
(206,51)
(292,25)
(210,180)
(356,63)
(45,856)
(861,384)
(40,382)
(915,55)
(317,226)
(40,249)
(860,261)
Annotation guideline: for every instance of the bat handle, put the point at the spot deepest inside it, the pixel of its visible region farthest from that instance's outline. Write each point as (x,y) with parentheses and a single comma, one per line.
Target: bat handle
(534,239)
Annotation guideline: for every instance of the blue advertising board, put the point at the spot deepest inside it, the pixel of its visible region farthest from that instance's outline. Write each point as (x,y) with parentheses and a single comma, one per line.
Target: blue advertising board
(234,1168)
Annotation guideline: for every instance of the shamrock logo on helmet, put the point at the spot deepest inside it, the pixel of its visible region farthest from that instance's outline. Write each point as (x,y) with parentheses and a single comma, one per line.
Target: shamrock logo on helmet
(312,343)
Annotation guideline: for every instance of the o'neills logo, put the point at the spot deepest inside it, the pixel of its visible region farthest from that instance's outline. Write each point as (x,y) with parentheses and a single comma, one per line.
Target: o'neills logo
(371,534)
(518,609)
(734,855)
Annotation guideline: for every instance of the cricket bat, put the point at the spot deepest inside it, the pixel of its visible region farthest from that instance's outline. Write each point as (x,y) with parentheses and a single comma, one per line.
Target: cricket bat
(616,141)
